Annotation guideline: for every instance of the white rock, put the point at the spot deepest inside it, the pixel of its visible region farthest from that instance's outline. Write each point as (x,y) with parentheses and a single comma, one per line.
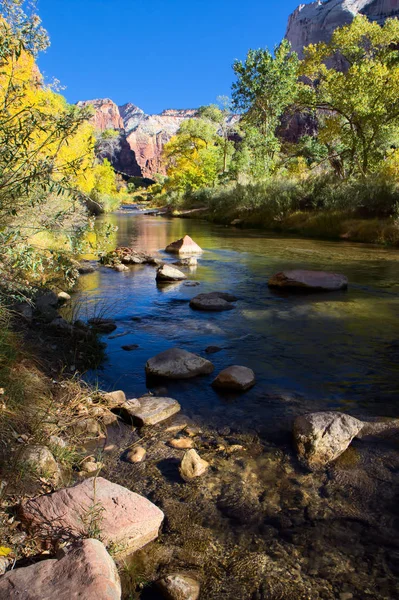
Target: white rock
(192,465)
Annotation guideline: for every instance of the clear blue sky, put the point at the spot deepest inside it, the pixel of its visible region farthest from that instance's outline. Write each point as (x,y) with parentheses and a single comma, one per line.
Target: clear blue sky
(155,53)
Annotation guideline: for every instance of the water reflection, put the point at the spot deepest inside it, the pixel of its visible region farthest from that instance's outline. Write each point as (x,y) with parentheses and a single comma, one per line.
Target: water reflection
(332,349)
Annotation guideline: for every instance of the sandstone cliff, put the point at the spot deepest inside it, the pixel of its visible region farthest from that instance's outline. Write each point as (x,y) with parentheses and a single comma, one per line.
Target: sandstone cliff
(315,22)
(142,137)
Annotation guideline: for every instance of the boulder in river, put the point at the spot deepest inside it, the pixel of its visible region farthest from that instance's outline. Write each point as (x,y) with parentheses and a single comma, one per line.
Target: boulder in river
(185,245)
(235,378)
(169,273)
(126,519)
(213,302)
(149,410)
(85,571)
(302,280)
(176,363)
(192,465)
(179,586)
(322,437)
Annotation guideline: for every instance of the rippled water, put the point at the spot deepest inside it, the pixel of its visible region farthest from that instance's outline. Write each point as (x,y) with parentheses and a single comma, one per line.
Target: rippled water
(335,350)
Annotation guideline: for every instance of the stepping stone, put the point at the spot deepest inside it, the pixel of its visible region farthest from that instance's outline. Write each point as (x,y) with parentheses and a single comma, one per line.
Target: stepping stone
(235,378)
(149,410)
(126,519)
(214,302)
(169,273)
(301,280)
(178,364)
(185,245)
(86,571)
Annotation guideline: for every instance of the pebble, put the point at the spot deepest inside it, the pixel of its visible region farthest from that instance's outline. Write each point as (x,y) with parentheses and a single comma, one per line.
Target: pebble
(182,443)
(136,455)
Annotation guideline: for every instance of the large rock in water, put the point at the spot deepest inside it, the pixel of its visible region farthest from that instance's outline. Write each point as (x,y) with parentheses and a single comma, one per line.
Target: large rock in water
(178,364)
(86,571)
(235,378)
(213,302)
(184,246)
(315,22)
(300,280)
(169,273)
(321,437)
(125,519)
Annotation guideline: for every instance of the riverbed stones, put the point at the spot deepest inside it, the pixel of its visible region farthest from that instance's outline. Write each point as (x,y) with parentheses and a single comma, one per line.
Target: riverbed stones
(177,363)
(85,571)
(149,410)
(182,443)
(126,519)
(135,455)
(235,377)
(190,261)
(179,586)
(40,461)
(192,465)
(322,437)
(185,245)
(102,325)
(116,398)
(302,280)
(167,273)
(213,302)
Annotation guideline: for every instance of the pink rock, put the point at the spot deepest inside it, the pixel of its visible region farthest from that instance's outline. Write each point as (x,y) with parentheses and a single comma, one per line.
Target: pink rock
(309,280)
(184,246)
(123,518)
(86,571)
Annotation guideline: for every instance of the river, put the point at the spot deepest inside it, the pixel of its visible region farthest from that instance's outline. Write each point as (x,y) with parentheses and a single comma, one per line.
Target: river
(258,526)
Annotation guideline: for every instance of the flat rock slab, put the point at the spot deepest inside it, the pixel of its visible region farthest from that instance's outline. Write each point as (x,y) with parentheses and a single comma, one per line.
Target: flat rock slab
(86,571)
(127,520)
(235,378)
(214,302)
(185,245)
(169,273)
(322,437)
(300,280)
(178,364)
(150,410)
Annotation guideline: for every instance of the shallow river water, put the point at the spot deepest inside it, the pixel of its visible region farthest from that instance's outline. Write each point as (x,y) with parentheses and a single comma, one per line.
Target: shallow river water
(258,526)
(338,349)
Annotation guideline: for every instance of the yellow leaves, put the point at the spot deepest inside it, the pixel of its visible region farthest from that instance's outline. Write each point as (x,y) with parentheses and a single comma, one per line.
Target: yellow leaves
(4,551)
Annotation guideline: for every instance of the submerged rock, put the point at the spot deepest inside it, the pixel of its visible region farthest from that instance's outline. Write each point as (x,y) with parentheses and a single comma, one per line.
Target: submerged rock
(185,245)
(190,261)
(86,571)
(302,280)
(150,410)
(169,273)
(178,586)
(135,455)
(103,325)
(127,520)
(322,437)
(214,302)
(130,347)
(235,378)
(178,364)
(121,268)
(192,465)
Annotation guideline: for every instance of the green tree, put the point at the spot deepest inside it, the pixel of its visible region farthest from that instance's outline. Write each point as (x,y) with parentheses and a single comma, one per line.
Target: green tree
(354,88)
(266,86)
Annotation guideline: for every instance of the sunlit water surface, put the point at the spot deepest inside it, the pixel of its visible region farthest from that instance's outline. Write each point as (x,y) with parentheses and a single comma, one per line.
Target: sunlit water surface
(336,350)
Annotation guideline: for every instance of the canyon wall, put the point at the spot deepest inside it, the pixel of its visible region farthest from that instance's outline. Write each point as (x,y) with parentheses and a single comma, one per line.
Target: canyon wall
(315,22)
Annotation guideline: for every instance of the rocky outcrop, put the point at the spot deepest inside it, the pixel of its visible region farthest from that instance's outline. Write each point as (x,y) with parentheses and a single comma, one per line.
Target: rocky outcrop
(85,571)
(315,22)
(106,114)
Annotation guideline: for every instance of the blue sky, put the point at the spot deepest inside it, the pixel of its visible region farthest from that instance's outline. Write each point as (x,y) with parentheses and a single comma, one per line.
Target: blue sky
(156,54)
